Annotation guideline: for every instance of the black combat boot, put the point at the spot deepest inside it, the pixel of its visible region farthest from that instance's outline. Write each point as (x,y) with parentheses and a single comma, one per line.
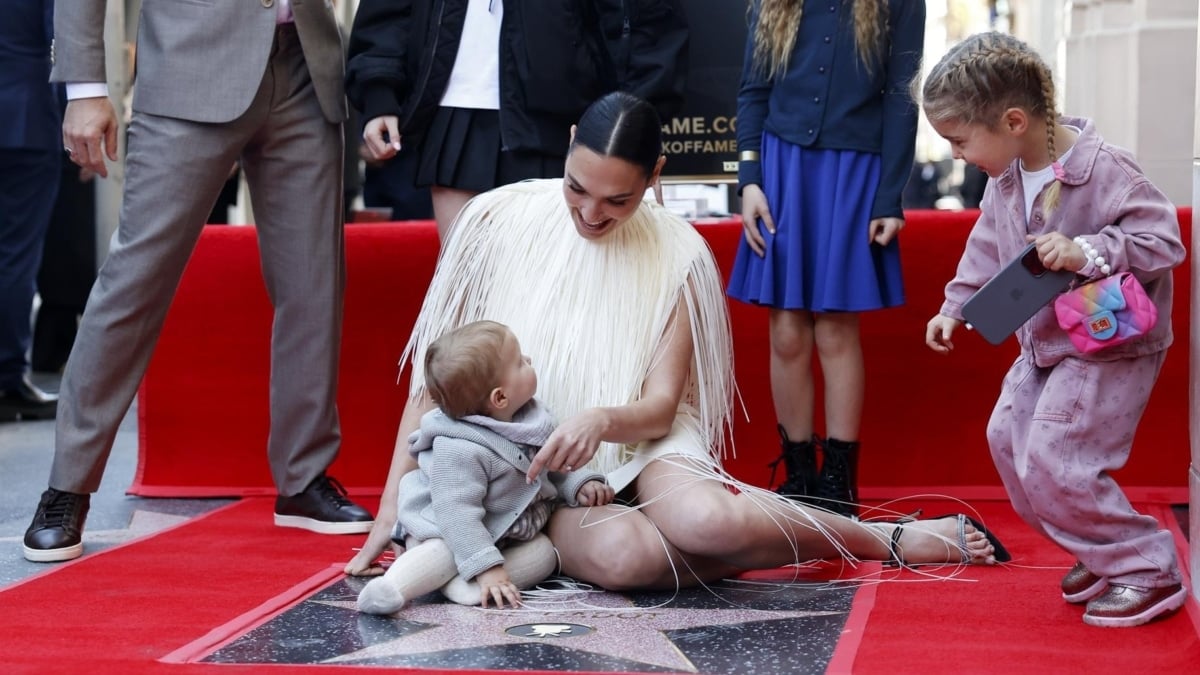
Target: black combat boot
(837,486)
(800,462)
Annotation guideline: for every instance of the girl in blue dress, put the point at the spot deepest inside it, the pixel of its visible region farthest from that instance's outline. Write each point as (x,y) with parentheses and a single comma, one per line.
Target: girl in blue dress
(826,130)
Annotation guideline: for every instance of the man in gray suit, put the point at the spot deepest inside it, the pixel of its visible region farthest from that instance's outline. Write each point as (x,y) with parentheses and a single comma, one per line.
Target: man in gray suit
(217,82)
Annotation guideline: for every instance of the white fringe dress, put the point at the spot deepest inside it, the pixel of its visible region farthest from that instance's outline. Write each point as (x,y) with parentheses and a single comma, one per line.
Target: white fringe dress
(592,314)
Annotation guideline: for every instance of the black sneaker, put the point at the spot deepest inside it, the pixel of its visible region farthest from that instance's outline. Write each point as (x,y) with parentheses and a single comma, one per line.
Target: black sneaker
(56,533)
(324,508)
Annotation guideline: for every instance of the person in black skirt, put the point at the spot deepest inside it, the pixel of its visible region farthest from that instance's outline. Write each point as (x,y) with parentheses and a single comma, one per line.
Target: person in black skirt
(488,89)
(821,172)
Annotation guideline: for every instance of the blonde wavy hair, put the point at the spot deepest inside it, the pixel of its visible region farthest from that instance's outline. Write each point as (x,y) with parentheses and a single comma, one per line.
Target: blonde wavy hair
(779,21)
(986,74)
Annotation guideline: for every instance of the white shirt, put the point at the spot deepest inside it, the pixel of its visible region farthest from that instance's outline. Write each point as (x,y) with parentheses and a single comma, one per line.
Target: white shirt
(475,78)
(1033,181)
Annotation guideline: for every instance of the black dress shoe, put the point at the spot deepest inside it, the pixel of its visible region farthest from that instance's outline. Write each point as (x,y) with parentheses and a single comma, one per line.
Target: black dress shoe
(25,401)
(56,533)
(324,508)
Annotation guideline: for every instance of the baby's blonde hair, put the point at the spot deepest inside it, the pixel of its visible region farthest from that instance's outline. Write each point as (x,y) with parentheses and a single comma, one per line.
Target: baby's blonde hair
(779,21)
(986,74)
(463,366)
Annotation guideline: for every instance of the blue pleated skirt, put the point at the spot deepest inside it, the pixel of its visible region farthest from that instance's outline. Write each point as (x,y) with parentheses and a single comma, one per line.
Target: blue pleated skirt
(820,258)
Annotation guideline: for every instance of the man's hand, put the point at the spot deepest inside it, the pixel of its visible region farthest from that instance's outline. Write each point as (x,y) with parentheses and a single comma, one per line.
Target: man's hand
(90,133)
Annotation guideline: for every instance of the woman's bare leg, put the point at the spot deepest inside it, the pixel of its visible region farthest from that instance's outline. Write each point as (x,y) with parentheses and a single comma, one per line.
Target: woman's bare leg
(447,202)
(755,529)
(618,548)
(692,529)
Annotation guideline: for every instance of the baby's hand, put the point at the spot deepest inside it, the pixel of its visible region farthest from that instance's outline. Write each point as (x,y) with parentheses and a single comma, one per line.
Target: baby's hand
(495,584)
(595,493)
(938,331)
(1057,252)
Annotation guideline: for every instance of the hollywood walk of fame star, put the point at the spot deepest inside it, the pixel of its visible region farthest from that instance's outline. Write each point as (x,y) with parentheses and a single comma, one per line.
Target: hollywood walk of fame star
(619,628)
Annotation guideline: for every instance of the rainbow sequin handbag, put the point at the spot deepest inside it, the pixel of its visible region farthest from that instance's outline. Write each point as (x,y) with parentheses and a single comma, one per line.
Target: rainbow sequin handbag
(1105,312)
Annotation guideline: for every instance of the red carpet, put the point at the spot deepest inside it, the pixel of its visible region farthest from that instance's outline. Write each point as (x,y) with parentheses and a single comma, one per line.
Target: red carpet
(126,609)
(1013,619)
(203,404)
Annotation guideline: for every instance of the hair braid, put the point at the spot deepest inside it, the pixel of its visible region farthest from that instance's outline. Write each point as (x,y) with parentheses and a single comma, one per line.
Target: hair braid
(986,74)
(1054,190)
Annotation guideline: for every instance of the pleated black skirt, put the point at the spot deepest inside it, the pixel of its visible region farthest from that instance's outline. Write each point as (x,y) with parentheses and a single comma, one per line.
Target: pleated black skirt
(462,150)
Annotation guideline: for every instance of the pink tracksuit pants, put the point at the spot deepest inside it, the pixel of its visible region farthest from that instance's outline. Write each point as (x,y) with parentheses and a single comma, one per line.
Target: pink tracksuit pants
(1055,435)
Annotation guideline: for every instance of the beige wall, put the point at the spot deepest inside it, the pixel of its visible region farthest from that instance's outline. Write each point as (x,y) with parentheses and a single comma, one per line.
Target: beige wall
(1130,65)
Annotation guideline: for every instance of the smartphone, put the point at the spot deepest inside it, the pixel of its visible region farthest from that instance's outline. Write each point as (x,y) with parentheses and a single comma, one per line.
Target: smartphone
(1014,295)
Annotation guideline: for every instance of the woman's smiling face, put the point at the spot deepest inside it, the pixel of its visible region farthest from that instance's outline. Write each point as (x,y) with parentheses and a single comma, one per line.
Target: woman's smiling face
(601,192)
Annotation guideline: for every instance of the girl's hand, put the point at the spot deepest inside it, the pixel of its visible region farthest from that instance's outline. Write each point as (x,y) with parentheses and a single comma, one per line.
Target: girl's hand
(884,230)
(495,585)
(938,331)
(754,207)
(595,493)
(1057,252)
(572,444)
(381,135)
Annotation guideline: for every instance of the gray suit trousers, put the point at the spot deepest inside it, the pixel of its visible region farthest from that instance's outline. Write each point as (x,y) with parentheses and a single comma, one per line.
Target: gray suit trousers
(292,158)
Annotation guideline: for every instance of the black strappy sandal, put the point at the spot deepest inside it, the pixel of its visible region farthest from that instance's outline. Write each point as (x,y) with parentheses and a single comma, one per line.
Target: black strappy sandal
(1000,553)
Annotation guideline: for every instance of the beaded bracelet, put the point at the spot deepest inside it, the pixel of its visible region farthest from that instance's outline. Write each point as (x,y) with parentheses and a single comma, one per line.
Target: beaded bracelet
(1094,259)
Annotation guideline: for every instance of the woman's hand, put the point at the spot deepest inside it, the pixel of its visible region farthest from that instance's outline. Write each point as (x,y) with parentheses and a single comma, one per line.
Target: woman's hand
(572,444)
(366,562)
(754,207)
(381,135)
(884,230)
(938,332)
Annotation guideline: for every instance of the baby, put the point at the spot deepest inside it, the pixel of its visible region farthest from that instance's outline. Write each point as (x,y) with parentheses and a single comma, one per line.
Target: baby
(470,496)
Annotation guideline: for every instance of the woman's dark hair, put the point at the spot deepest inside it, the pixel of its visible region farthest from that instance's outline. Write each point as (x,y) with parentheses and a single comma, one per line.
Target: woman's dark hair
(624,126)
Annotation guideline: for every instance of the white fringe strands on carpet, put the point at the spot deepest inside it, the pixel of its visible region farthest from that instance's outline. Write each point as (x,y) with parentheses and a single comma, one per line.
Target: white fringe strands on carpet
(591,314)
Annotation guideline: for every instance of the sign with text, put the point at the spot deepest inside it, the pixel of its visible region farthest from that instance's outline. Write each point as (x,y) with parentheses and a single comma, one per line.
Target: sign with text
(700,142)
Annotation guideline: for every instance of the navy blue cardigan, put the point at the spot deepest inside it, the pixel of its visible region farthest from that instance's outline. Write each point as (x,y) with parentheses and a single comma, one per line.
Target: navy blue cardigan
(829,99)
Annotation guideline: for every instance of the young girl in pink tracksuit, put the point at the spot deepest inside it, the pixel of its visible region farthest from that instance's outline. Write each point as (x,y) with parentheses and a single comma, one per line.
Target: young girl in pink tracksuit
(1064,420)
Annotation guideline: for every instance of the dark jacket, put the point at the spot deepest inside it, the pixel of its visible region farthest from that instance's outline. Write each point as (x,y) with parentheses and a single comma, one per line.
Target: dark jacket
(29,104)
(828,99)
(556,57)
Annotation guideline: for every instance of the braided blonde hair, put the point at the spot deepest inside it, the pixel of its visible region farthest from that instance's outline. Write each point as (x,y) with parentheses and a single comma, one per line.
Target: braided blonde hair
(779,21)
(986,74)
